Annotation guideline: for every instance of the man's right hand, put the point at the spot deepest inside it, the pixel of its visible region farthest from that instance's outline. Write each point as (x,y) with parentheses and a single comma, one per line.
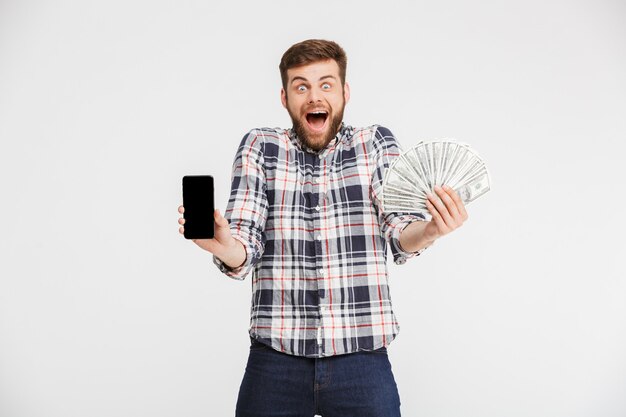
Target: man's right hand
(223,245)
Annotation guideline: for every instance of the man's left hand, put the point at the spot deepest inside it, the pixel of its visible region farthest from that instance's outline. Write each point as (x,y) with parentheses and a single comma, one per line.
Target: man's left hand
(447,211)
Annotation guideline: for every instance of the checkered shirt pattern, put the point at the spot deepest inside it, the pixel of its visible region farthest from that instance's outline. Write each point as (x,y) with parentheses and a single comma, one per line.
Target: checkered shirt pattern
(316,239)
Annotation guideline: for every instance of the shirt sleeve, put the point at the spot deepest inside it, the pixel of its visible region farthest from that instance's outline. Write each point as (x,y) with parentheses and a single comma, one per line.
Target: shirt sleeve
(386,148)
(247,205)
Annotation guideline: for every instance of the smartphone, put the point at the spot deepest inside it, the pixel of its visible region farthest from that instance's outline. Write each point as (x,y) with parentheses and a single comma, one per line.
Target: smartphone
(198,200)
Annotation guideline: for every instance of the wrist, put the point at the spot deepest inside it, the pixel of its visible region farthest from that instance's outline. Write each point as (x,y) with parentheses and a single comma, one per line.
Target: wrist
(431,233)
(233,253)
(416,236)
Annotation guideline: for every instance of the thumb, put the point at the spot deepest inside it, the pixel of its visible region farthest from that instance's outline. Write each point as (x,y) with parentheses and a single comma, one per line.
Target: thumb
(219,219)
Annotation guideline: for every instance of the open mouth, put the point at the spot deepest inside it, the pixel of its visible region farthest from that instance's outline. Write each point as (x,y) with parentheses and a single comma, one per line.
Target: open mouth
(317,120)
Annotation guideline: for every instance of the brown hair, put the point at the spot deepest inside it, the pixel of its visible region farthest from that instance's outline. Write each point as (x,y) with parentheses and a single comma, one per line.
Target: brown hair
(310,51)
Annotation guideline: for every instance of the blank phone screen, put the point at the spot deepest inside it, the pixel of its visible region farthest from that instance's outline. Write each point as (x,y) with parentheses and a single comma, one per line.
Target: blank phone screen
(198,203)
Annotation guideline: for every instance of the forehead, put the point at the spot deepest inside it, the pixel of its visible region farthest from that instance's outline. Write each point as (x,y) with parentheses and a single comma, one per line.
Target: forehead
(314,71)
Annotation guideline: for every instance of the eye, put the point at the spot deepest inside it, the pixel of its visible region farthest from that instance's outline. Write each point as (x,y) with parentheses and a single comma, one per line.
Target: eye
(325,86)
(301,88)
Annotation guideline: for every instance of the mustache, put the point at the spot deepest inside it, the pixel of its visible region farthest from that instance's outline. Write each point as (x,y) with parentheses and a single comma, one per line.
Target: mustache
(314,109)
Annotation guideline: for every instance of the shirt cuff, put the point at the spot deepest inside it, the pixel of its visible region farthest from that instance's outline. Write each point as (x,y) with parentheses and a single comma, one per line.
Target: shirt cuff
(241,271)
(400,256)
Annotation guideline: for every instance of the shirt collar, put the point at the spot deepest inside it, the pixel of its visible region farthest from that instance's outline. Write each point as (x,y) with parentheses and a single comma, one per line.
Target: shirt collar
(343,135)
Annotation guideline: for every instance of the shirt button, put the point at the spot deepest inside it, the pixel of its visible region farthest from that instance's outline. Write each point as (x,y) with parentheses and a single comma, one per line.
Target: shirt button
(315,180)
(319,237)
(320,271)
(317,208)
(321,156)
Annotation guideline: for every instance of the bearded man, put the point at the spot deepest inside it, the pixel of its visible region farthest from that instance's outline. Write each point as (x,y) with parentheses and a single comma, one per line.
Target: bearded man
(305,217)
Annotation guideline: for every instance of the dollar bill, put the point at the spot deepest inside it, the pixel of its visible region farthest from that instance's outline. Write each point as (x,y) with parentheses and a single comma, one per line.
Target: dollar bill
(470,191)
(416,172)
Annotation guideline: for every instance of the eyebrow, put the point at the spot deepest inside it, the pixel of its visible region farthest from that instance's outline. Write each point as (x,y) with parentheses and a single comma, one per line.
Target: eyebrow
(297,77)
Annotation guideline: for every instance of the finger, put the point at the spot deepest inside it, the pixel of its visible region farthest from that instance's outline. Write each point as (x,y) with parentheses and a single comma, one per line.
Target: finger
(457,200)
(181,221)
(441,208)
(181,230)
(450,205)
(441,225)
(219,219)
(181,209)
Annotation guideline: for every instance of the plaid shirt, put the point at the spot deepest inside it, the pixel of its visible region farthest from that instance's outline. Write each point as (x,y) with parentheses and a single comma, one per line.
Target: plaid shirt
(316,239)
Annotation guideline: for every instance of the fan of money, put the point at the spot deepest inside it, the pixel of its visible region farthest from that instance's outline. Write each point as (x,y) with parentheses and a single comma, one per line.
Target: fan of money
(439,162)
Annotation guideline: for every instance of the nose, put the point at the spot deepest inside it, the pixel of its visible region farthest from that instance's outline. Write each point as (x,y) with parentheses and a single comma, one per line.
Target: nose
(314,95)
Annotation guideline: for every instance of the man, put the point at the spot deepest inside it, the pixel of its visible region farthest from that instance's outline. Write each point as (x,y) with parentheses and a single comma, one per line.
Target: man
(305,216)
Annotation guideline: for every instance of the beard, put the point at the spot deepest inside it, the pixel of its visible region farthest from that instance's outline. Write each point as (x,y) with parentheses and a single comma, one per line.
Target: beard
(333,127)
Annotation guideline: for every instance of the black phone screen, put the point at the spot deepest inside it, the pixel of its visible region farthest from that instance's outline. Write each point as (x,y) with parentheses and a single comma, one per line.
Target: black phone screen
(198,202)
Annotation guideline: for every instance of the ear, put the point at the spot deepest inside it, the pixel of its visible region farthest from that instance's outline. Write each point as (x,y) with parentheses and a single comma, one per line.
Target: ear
(283,97)
(346,92)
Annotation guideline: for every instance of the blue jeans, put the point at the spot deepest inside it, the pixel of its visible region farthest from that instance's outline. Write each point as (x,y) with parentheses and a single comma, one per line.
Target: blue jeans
(279,385)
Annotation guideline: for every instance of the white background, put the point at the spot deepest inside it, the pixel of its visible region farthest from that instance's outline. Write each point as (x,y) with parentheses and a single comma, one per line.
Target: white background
(105,310)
